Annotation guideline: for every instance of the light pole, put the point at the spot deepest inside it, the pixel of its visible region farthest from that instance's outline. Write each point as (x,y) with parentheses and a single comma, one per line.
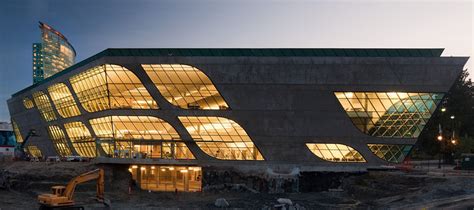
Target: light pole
(440,136)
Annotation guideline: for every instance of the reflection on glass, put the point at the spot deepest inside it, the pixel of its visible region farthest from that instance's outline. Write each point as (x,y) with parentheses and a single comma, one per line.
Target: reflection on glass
(56,134)
(335,152)
(111,87)
(44,106)
(221,138)
(28,103)
(139,137)
(392,114)
(63,100)
(395,153)
(81,139)
(185,86)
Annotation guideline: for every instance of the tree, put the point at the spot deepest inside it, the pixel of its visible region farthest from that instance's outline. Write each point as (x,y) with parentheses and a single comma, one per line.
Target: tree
(459,102)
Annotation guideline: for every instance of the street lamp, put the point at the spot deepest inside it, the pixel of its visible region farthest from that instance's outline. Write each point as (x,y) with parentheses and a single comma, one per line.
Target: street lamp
(452,117)
(443,109)
(440,138)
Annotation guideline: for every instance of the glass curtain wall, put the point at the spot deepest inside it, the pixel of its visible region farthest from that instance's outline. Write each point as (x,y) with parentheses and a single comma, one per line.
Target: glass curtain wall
(139,137)
(392,114)
(185,86)
(111,87)
(34,151)
(335,152)
(394,153)
(56,134)
(81,139)
(167,178)
(44,106)
(221,138)
(28,103)
(63,100)
(16,130)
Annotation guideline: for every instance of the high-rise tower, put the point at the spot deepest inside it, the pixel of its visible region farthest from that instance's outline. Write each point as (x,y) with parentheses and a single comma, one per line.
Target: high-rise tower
(53,54)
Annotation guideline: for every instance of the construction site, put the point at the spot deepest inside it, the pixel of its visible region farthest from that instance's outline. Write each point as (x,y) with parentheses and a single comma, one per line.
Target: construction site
(424,186)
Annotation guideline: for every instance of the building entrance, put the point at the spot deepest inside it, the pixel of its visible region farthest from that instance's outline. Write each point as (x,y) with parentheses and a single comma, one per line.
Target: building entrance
(167,178)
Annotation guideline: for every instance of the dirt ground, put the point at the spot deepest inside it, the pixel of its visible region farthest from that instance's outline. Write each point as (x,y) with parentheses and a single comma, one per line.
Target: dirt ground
(21,182)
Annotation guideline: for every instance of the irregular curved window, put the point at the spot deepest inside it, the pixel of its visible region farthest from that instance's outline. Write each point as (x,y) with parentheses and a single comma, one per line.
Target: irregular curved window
(139,136)
(81,139)
(221,138)
(34,151)
(111,87)
(395,153)
(44,106)
(335,152)
(59,141)
(28,103)
(185,86)
(393,114)
(63,100)
(17,132)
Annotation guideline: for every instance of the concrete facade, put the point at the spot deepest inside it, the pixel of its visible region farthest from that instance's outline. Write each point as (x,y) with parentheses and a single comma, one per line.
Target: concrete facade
(282,102)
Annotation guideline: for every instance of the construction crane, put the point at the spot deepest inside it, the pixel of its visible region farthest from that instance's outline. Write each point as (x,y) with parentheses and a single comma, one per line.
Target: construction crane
(62,197)
(20,153)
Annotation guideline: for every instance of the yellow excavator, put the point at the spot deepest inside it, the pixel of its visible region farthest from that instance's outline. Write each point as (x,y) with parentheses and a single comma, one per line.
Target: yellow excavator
(62,196)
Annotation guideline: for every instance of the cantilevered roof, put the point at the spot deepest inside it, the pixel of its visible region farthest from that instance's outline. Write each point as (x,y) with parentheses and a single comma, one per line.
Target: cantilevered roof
(253,52)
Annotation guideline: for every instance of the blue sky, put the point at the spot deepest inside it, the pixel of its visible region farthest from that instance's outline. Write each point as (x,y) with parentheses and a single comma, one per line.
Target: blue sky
(92,26)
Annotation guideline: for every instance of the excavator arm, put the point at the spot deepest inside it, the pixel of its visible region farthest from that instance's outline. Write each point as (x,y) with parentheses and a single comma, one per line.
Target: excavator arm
(97,174)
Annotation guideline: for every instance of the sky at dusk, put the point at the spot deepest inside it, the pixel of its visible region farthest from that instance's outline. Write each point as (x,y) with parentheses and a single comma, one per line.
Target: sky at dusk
(92,26)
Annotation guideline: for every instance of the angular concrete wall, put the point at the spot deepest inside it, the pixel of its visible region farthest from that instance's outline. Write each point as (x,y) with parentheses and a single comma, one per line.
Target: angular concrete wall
(281,102)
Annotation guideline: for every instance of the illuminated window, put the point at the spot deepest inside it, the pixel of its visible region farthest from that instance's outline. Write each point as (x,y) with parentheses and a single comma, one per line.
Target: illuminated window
(81,139)
(44,106)
(63,100)
(34,151)
(28,103)
(185,86)
(139,137)
(111,87)
(221,138)
(390,152)
(17,132)
(393,114)
(59,141)
(335,152)
(167,178)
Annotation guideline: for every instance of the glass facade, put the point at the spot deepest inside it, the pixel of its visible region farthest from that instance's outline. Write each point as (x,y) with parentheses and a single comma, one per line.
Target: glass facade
(392,114)
(167,178)
(63,100)
(28,103)
(34,151)
(335,152)
(81,139)
(56,134)
(221,138)
(44,106)
(139,137)
(394,153)
(185,86)
(111,87)
(38,74)
(52,55)
(16,130)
